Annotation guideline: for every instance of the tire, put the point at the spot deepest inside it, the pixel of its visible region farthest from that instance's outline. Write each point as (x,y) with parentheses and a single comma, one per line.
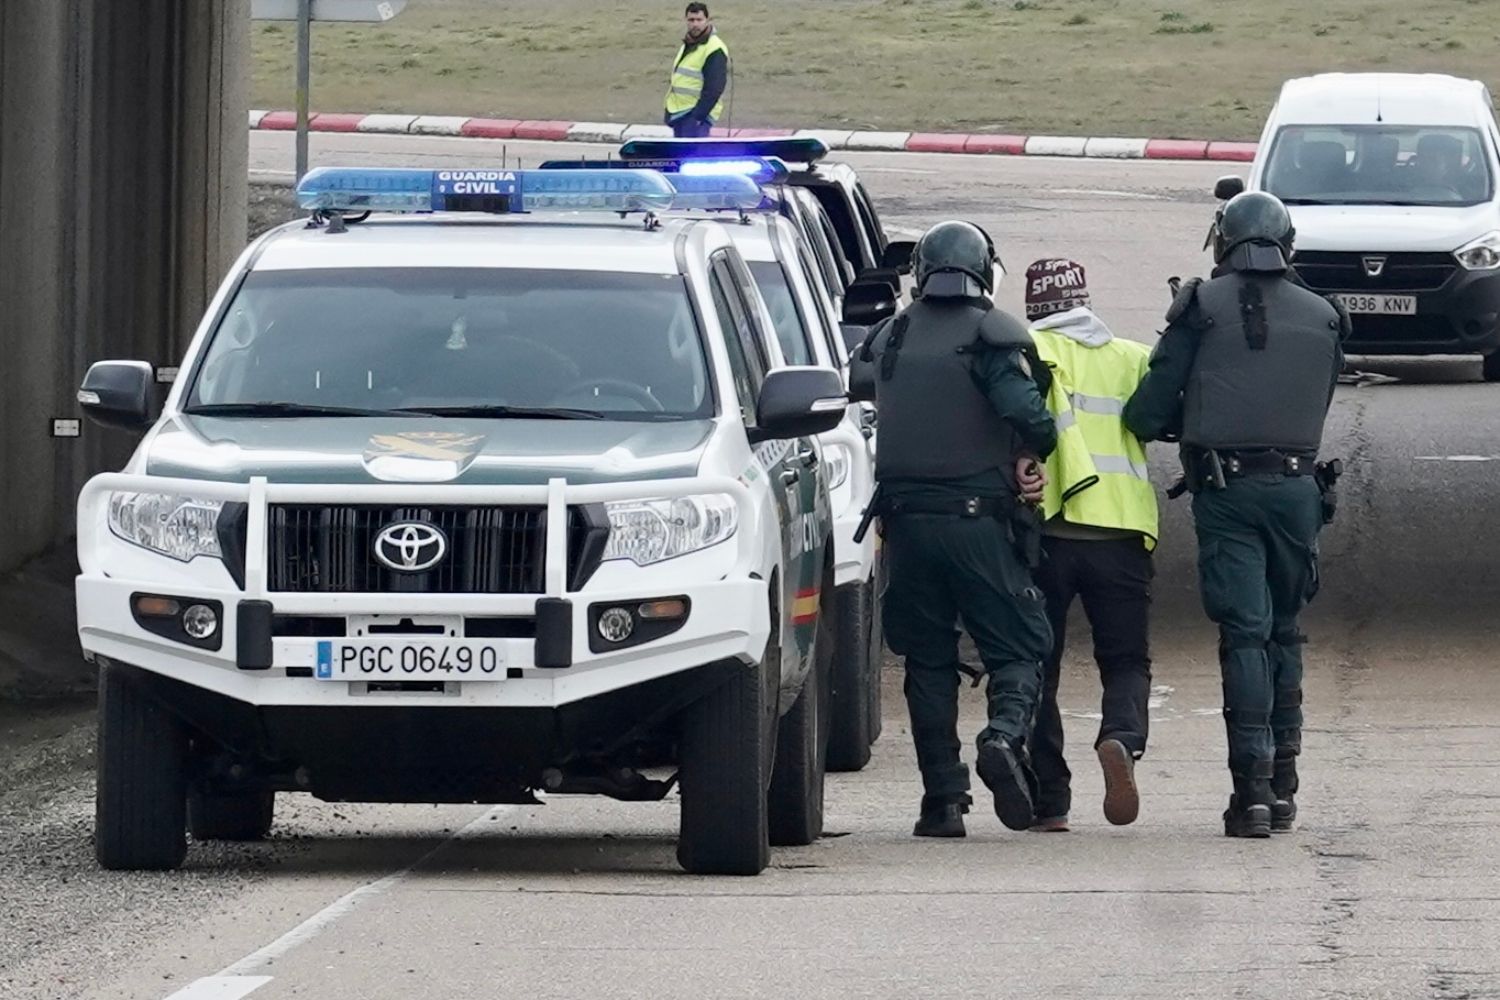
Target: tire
(796,796)
(237,816)
(140,801)
(1491,367)
(849,730)
(724,768)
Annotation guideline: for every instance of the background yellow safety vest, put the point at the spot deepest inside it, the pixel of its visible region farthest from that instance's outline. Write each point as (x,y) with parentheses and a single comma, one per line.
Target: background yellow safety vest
(687,78)
(1098,475)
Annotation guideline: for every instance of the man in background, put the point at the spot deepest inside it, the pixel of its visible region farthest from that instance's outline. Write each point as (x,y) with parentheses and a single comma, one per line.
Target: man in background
(695,94)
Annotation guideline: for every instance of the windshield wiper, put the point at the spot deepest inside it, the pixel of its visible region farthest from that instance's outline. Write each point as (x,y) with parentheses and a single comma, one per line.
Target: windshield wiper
(1305,201)
(496,410)
(284,409)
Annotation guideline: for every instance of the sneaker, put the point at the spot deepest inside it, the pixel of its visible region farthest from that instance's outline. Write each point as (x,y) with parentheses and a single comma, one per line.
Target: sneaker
(1283,814)
(1251,821)
(1122,801)
(1001,771)
(1050,824)
(942,818)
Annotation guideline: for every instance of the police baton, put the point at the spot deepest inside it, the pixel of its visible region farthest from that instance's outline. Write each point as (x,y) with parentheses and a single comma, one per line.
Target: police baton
(871,510)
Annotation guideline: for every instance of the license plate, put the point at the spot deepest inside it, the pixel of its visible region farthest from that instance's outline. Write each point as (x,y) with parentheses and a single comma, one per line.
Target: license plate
(382,659)
(1380,305)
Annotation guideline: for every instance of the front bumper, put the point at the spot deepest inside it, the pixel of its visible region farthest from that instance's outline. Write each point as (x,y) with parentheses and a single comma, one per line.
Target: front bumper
(1460,316)
(551,666)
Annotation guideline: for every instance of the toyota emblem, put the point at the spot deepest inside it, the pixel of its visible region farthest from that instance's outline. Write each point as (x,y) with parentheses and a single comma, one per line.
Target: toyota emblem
(410,546)
(1374,266)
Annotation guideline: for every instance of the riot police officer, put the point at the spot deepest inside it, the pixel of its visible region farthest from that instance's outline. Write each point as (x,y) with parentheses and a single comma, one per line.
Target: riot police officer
(1243,376)
(954,380)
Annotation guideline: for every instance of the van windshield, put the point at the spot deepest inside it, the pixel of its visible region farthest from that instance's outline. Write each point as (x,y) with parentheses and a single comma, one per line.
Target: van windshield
(444,340)
(1379,165)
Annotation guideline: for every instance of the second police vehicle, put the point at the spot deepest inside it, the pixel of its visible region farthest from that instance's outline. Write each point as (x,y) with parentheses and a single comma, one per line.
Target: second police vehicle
(477,485)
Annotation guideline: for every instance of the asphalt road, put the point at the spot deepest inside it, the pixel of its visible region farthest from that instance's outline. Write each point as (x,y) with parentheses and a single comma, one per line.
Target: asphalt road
(1390,888)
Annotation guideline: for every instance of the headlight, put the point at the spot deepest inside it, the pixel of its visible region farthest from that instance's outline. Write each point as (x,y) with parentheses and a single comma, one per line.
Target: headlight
(1481,255)
(177,526)
(836,458)
(650,531)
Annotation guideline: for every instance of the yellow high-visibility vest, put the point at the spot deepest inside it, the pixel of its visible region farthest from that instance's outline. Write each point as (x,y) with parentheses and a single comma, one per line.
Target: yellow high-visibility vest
(1098,475)
(686,86)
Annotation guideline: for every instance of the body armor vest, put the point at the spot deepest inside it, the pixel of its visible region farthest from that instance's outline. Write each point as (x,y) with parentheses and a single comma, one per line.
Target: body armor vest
(935,420)
(1267,357)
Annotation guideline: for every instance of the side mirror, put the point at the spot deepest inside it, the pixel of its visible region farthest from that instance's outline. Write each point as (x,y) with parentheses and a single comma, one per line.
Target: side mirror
(118,394)
(898,255)
(868,301)
(1228,187)
(854,335)
(799,402)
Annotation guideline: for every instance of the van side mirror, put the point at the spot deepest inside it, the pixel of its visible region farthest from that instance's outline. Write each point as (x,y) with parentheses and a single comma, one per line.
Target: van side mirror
(868,301)
(799,402)
(118,394)
(1228,187)
(898,255)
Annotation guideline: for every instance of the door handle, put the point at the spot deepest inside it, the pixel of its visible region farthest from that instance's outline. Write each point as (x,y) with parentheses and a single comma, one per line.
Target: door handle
(789,477)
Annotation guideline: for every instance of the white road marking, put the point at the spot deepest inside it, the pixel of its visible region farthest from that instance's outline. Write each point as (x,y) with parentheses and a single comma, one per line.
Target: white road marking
(221,988)
(242,974)
(896,170)
(1106,193)
(1159,695)
(1458,458)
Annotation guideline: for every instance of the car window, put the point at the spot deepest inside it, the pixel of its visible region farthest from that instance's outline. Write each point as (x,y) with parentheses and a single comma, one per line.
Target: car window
(743,299)
(745,384)
(870,219)
(822,323)
(627,345)
(822,240)
(786,313)
(845,225)
(1379,165)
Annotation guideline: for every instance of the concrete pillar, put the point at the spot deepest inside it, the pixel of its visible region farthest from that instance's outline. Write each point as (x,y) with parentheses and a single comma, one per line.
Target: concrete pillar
(123,164)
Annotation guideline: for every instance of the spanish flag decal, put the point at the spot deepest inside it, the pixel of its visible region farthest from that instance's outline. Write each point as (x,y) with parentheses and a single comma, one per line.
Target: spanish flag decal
(805,607)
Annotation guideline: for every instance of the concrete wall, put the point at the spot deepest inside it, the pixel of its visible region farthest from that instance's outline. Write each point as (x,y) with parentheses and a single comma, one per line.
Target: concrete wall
(122,201)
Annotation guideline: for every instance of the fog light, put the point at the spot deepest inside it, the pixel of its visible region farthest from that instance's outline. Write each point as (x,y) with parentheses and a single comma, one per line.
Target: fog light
(200,622)
(157,607)
(658,610)
(616,624)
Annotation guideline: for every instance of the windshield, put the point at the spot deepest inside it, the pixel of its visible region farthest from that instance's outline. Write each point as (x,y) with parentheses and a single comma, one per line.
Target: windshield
(1379,165)
(790,330)
(579,343)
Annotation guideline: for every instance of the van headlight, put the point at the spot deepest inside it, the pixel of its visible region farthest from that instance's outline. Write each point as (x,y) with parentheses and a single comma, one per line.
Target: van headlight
(1481,255)
(180,527)
(650,531)
(837,459)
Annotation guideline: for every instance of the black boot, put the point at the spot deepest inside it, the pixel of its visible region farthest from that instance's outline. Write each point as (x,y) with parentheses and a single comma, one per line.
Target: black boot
(1249,812)
(942,816)
(1006,774)
(1283,789)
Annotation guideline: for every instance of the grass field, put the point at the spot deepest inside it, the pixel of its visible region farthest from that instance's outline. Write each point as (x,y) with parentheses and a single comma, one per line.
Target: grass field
(1169,68)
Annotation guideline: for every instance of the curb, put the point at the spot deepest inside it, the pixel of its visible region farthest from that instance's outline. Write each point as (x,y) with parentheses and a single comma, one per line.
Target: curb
(976,143)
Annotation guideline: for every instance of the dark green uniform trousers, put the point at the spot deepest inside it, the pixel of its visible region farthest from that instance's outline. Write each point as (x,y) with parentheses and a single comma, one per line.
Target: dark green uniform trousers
(944,569)
(1257,569)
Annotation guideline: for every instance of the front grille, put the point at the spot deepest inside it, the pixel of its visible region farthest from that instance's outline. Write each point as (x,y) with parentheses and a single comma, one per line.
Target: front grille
(1371,332)
(330,549)
(1346,272)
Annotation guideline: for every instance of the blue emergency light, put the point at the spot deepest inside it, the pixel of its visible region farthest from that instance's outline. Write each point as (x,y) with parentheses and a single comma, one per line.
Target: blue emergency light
(791,149)
(383,189)
(760,169)
(716,192)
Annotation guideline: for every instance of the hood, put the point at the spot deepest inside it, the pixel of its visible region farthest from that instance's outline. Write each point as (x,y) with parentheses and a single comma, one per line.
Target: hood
(404,450)
(1355,228)
(1078,324)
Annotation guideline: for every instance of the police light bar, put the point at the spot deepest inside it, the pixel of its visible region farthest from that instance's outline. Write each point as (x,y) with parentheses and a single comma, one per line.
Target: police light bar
(716,192)
(381,189)
(792,149)
(760,169)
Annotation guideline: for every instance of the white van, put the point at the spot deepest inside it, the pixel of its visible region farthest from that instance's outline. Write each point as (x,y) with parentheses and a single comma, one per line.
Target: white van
(1391,183)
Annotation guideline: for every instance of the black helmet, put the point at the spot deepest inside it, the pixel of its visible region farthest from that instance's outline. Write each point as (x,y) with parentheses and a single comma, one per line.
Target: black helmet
(959,248)
(1252,217)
